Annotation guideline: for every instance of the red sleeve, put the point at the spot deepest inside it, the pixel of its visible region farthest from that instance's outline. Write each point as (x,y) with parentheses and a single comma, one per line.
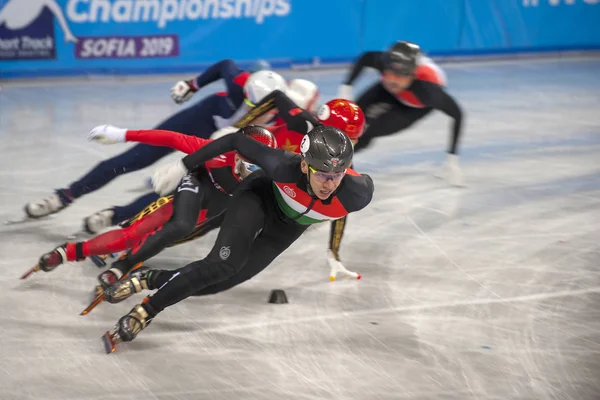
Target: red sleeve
(178,141)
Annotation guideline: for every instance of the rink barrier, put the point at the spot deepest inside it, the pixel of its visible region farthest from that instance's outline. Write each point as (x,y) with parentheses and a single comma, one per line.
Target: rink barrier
(136,37)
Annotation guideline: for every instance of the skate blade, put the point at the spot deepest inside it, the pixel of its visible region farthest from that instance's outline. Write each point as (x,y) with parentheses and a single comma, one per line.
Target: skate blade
(26,275)
(110,342)
(99,299)
(26,219)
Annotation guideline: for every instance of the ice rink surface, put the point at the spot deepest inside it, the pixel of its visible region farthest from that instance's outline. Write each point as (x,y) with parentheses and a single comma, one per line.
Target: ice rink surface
(487,292)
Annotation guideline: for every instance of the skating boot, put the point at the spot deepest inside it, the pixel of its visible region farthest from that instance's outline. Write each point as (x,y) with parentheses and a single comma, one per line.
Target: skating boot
(98,221)
(137,281)
(50,205)
(49,261)
(112,275)
(53,259)
(128,327)
(109,277)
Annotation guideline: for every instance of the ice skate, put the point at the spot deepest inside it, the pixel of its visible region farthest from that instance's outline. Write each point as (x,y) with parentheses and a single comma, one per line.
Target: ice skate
(99,221)
(49,205)
(107,279)
(118,271)
(49,261)
(110,277)
(99,290)
(128,327)
(122,290)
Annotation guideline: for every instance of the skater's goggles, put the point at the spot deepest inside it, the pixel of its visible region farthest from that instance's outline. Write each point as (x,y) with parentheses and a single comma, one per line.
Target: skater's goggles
(323,177)
(398,77)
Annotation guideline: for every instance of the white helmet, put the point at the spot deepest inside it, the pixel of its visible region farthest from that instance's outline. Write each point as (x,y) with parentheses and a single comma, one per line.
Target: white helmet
(260,84)
(304,93)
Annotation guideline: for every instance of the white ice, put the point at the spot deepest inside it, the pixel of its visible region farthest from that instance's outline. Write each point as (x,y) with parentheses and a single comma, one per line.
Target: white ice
(487,292)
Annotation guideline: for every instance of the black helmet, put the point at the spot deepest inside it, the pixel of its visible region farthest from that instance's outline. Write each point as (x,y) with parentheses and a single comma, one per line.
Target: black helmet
(327,149)
(402,58)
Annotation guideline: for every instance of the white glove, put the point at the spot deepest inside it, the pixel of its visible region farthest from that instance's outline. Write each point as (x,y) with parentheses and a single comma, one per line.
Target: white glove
(451,172)
(336,267)
(223,131)
(167,177)
(107,134)
(183,91)
(345,92)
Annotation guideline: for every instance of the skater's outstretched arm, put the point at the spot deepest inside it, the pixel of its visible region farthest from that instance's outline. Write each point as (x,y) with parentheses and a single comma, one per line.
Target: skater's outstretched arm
(435,96)
(295,118)
(372,59)
(265,105)
(108,134)
(156,137)
(274,162)
(227,70)
(233,76)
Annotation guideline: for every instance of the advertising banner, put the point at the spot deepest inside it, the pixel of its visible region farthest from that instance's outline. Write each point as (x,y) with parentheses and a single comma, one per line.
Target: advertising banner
(137,36)
(455,27)
(71,37)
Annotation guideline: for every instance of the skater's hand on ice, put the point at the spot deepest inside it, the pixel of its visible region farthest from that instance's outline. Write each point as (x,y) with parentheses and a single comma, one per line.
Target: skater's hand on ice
(337,268)
(451,172)
(107,134)
(345,92)
(166,178)
(183,91)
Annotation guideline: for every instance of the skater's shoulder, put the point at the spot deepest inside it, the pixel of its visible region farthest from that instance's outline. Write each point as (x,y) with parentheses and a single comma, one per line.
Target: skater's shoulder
(359,181)
(428,71)
(356,191)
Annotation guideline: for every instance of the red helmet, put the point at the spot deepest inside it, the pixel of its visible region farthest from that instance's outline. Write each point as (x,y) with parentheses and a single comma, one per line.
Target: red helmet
(260,134)
(344,115)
